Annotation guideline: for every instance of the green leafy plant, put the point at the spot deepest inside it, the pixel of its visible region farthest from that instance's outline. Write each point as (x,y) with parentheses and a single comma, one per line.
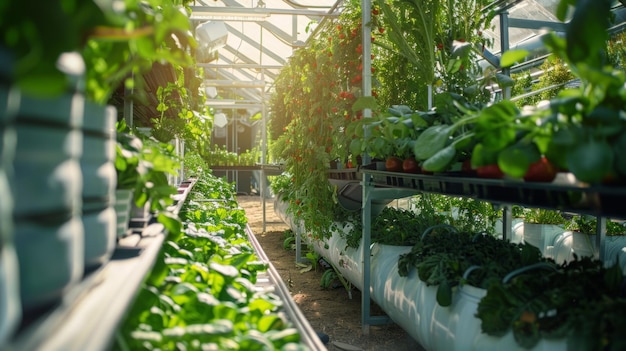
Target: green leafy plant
(114,43)
(588,224)
(289,240)
(201,289)
(313,258)
(579,130)
(537,303)
(443,255)
(543,216)
(393,226)
(386,134)
(194,165)
(143,165)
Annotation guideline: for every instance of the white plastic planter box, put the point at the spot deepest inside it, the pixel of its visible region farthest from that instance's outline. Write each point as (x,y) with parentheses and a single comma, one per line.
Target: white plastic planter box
(541,235)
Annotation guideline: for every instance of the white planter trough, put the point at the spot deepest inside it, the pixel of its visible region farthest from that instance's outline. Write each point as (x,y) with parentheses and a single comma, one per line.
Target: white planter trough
(409,302)
(569,243)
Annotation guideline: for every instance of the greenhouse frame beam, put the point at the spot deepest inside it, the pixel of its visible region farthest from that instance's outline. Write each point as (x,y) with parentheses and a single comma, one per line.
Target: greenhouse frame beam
(227,83)
(237,106)
(238,65)
(536,24)
(245,92)
(254,44)
(499,6)
(206,12)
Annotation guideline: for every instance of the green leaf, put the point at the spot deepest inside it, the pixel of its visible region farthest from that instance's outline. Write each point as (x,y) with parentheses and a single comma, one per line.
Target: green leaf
(586,32)
(511,57)
(183,292)
(365,102)
(172,223)
(270,322)
(492,311)
(444,293)
(495,125)
(439,162)
(285,336)
(159,270)
(224,270)
(418,121)
(591,161)
(400,110)
(431,141)
(482,156)
(515,159)
(562,9)
(504,81)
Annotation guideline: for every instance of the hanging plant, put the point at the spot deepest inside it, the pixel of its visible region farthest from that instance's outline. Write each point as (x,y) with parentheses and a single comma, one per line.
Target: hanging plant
(313,102)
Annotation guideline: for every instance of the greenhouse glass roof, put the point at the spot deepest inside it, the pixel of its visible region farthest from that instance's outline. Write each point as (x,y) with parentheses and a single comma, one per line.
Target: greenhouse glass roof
(261,35)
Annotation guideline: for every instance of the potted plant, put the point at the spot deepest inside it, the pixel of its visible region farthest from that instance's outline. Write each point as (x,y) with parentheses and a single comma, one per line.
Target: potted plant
(542,226)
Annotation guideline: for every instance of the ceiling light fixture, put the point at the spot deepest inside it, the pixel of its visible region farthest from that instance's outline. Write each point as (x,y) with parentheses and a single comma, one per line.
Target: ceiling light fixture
(228,14)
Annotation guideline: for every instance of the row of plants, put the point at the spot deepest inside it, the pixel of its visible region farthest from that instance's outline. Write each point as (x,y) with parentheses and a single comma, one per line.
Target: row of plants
(220,156)
(580,223)
(403,226)
(553,301)
(560,303)
(200,293)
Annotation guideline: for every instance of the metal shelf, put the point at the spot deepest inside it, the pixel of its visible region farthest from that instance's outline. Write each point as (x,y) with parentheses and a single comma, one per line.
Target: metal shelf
(88,315)
(597,200)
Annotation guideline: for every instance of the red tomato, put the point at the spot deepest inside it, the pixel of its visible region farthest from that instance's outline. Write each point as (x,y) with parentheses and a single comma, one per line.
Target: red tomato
(393,164)
(489,171)
(410,165)
(541,171)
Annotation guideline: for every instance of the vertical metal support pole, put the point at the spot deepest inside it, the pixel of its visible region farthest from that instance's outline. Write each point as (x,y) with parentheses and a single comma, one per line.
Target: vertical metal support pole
(600,236)
(263,148)
(366,73)
(366,219)
(504,44)
(430,96)
(507,219)
(366,18)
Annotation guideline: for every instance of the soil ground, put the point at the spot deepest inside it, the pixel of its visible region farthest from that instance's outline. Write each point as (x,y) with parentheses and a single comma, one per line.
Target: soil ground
(330,311)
